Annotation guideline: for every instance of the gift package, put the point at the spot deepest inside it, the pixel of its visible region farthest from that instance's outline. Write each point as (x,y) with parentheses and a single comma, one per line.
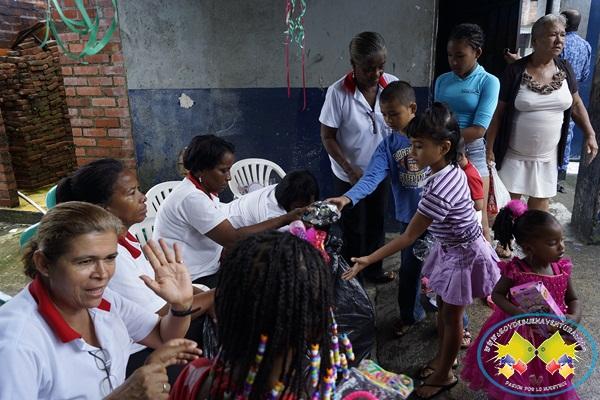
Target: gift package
(370,381)
(534,297)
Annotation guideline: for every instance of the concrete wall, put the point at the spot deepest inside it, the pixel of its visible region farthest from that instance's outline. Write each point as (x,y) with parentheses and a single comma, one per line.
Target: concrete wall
(228,57)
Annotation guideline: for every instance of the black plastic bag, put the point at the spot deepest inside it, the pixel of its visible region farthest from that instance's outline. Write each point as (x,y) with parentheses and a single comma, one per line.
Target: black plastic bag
(210,340)
(354,311)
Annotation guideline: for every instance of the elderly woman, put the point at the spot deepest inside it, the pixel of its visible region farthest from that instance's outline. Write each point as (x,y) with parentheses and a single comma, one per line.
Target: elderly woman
(192,214)
(66,335)
(107,183)
(538,96)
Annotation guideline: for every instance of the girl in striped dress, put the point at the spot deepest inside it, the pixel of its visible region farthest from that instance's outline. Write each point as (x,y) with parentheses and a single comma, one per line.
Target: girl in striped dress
(462,265)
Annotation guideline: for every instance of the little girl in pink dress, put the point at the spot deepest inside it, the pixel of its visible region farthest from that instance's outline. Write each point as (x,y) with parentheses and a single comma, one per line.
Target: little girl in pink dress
(540,236)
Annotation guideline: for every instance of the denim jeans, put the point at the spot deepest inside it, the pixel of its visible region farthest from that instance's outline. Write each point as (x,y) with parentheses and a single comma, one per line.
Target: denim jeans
(409,285)
(476,155)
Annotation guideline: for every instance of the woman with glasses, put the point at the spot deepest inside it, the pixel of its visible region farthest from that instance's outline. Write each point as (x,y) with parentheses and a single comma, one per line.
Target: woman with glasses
(352,127)
(66,335)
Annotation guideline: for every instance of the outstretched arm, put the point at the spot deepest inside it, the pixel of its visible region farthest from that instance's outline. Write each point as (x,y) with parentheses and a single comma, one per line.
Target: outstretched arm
(417,226)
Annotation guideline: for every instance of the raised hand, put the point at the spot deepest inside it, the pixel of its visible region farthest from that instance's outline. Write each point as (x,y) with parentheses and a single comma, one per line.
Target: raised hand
(171,280)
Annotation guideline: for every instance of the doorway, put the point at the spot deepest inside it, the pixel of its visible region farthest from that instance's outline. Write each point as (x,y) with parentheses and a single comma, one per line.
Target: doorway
(500,22)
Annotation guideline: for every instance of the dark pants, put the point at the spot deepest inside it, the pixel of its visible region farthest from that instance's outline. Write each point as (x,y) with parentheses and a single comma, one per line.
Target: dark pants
(409,285)
(362,225)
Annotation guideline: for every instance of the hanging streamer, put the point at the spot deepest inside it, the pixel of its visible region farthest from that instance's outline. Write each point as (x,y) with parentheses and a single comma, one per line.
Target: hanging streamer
(294,33)
(84,27)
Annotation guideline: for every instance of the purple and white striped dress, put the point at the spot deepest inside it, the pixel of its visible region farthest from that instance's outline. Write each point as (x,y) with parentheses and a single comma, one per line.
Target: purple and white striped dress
(462,265)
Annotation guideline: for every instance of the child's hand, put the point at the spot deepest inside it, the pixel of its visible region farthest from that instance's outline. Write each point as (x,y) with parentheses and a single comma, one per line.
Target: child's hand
(360,263)
(339,202)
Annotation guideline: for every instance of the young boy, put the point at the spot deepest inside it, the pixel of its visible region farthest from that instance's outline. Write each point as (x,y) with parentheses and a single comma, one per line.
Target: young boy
(392,158)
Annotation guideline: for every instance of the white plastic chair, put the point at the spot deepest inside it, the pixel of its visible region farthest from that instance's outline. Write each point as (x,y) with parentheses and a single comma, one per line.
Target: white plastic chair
(252,170)
(157,195)
(143,230)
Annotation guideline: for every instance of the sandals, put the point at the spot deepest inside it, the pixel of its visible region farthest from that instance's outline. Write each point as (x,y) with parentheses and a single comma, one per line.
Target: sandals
(442,388)
(503,252)
(467,339)
(400,329)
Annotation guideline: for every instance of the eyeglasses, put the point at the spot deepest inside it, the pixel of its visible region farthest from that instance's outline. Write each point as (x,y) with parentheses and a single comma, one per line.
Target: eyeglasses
(371,115)
(103,363)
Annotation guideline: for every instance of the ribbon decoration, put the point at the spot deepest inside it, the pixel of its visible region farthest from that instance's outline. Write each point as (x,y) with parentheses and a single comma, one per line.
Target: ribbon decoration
(294,33)
(84,27)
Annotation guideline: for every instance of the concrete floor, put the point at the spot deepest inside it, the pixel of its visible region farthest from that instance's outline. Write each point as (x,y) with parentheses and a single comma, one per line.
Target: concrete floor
(407,354)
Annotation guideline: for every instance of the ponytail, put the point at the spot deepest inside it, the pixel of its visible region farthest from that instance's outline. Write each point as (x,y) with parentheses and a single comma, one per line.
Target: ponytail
(27,258)
(515,220)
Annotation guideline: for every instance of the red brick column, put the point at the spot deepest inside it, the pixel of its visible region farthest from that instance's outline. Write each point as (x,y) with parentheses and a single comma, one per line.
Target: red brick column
(8,185)
(97,95)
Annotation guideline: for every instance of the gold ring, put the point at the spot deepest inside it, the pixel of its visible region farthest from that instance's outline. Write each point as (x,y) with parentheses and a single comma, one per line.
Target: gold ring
(166,387)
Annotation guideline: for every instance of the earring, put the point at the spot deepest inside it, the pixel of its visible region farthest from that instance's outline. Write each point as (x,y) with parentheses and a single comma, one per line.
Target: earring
(315,365)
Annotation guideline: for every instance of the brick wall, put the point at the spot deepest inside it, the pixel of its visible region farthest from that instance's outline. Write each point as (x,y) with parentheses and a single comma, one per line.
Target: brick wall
(18,15)
(8,185)
(35,114)
(97,95)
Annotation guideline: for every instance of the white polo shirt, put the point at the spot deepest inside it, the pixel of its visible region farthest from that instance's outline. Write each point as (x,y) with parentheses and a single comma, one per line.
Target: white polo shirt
(253,208)
(184,218)
(131,264)
(346,109)
(42,357)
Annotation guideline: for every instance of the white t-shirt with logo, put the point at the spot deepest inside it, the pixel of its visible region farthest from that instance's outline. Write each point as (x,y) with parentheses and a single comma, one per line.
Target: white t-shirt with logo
(254,207)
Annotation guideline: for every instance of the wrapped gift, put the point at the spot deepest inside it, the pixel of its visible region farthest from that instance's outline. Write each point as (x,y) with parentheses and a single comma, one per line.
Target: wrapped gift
(534,297)
(401,384)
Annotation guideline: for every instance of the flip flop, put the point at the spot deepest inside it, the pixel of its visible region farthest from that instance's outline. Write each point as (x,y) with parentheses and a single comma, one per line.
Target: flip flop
(442,388)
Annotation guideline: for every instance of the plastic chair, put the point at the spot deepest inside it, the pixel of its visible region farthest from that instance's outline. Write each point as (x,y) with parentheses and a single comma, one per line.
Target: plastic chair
(143,230)
(252,170)
(157,195)
(51,198)
(27,234)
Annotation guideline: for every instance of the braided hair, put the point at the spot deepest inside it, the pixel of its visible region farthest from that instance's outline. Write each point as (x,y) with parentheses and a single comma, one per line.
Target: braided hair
(472,34)
(523,227)
(278,285)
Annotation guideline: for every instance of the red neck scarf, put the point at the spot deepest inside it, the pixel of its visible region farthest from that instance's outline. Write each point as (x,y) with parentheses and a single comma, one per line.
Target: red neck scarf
(125,242)
(200,186)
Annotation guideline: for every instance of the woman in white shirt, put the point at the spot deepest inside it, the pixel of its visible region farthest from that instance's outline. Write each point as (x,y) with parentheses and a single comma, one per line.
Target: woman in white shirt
(66,335)
(192,214)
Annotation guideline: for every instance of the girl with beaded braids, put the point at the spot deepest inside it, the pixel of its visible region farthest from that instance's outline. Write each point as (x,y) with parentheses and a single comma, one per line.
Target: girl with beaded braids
(461,265)
(274,294)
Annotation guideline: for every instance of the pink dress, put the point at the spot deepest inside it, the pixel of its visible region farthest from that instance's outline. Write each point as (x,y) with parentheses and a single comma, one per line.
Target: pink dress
(519,272)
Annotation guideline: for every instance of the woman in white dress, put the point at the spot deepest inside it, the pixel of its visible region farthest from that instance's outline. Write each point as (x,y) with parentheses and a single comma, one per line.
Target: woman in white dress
(538,96)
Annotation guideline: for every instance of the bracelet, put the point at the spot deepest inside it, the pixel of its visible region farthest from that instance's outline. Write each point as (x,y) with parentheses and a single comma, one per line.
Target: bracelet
(184,313)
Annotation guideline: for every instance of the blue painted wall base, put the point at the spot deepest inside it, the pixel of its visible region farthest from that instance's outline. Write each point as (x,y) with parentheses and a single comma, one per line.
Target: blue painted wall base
(262,123)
